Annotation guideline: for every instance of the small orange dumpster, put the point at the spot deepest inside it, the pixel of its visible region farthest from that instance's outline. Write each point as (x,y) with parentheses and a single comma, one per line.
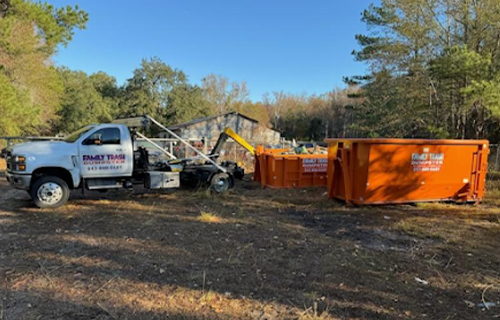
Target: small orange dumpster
(274,169)
(385,171)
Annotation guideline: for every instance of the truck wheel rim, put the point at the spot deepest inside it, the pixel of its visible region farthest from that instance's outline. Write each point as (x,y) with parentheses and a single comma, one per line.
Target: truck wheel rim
(220,184)
(50,193)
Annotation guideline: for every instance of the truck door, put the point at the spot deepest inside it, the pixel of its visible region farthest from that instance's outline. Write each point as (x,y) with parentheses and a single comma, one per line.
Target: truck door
(106,152)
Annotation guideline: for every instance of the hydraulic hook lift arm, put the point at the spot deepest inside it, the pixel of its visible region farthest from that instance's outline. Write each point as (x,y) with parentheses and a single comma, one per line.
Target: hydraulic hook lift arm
(228,133)
(187,144)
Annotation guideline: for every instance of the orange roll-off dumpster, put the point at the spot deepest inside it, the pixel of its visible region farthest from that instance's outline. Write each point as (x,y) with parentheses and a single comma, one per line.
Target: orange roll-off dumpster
(273,169)
(388,171)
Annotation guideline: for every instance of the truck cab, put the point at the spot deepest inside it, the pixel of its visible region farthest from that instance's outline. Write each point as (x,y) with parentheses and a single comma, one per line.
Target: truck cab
(49,169)
(97,157)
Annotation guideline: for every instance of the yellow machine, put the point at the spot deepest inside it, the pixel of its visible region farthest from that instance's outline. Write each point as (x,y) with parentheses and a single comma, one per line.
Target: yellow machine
(228,133)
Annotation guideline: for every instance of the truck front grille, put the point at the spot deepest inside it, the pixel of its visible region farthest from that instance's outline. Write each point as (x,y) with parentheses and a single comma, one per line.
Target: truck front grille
(8,161)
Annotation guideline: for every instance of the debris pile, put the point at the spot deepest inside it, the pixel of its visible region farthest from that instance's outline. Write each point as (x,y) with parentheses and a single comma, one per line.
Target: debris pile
(302,149)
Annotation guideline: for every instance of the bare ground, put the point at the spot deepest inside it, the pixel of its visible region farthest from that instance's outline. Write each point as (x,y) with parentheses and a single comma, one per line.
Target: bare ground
(250,254)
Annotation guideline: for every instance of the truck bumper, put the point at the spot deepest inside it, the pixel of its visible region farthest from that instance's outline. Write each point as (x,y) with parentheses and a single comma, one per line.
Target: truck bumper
(19,181)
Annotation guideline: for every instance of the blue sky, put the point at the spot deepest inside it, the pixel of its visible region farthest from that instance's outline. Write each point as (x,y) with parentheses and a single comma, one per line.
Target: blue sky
(296,46)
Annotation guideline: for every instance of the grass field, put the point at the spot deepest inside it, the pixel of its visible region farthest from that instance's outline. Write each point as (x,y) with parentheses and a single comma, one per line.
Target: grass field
(250,254)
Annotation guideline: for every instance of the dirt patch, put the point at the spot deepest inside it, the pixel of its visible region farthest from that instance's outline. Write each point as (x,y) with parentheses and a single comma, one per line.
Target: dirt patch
(249,254)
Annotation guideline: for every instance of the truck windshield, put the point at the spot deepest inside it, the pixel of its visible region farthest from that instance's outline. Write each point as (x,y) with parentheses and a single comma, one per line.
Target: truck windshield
(77,134)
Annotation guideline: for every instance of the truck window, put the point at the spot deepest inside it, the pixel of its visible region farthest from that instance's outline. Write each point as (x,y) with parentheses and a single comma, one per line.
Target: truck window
(104,136)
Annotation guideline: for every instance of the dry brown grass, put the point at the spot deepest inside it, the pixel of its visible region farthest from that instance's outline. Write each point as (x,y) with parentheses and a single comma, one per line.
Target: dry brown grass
(250,254)
(209,217)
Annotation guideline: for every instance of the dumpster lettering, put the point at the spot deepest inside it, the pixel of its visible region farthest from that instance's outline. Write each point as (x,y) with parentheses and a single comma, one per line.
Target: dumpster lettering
(315,165)
(427,162)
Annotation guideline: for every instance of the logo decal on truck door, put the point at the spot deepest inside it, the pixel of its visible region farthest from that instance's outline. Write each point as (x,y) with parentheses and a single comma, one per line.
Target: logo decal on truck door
(427,162)
(103,162)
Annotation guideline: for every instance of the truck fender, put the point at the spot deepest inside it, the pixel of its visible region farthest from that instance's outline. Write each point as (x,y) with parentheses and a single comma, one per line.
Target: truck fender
(70,177)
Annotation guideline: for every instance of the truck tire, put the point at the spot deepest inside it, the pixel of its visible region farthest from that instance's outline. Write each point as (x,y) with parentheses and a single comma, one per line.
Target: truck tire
(49,192)
(220,182)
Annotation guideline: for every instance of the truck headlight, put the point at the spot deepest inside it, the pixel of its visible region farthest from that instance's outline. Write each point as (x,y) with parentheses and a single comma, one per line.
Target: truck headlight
(19,163)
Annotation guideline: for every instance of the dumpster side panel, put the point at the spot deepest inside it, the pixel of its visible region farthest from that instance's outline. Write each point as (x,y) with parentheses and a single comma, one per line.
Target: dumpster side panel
(371,171)
(275,169)
(361,163)
(290,171)
(312,170)
(418,172)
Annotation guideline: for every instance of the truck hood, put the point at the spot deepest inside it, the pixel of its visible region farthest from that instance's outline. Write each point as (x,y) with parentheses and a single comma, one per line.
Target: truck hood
(43,148)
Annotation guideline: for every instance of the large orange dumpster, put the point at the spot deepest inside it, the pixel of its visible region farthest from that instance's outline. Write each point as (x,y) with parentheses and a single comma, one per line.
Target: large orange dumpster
(274,169)
(384,171)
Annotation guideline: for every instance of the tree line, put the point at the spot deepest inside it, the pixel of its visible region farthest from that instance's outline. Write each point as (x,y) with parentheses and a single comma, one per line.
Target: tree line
(434,69)
(433,72)
(155,89)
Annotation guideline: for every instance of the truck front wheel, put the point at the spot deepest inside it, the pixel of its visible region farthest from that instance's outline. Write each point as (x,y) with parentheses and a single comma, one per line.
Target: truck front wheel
(49,192)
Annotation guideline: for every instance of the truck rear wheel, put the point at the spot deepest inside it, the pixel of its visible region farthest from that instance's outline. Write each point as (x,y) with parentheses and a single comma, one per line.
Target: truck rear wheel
(49,192)
(220,182)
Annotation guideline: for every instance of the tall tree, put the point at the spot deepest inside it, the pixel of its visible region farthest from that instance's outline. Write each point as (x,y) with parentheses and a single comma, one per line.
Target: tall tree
(147,92)
(185,103)
(82,103)
(108,89)
(223,95)
(29,35)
